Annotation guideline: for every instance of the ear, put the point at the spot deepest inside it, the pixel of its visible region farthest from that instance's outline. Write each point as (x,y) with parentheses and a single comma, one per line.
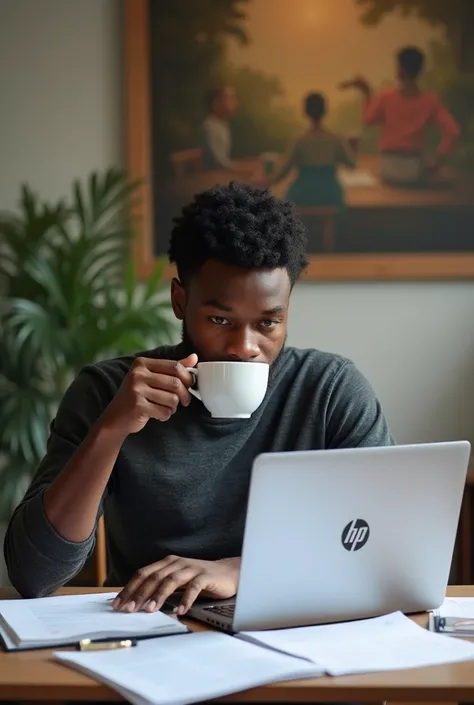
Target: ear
(178,298)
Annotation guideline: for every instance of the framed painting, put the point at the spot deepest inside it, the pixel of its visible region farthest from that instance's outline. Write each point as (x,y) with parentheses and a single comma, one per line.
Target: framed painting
(359,111)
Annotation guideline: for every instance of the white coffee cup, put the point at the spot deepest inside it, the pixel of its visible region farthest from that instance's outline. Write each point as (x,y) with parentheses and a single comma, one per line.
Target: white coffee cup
(230,390)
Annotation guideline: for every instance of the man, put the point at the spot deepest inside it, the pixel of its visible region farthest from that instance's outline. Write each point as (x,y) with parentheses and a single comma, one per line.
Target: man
(129,438)
(404,114)
(215,131)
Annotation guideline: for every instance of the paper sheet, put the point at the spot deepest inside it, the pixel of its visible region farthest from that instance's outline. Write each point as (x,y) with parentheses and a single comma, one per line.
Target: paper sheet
(457,607)
(58,620)
(189,668)
(385,643)
(357,178)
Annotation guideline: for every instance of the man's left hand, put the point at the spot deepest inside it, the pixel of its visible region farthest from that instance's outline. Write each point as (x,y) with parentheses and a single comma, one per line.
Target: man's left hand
(152,586)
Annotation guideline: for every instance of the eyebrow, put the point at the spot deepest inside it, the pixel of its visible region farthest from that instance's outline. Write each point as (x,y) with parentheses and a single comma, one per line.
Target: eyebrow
(215,304)
(273,311)
(222,307)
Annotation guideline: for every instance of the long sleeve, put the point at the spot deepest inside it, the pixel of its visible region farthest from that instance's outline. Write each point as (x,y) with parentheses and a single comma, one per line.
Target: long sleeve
(354,415)
(448,126)
(39,560)
(373,110)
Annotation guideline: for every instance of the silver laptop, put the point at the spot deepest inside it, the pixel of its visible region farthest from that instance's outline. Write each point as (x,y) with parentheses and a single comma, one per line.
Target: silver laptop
(345,534)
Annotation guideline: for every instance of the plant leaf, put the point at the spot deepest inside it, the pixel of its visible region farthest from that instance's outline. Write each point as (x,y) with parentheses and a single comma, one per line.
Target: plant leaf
(69,296)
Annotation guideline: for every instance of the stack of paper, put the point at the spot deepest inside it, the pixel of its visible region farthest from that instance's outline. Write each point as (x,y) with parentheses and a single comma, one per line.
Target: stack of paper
(381,644)
(208,665)
(55,621)
(457,607)
(193,668)
(455,617)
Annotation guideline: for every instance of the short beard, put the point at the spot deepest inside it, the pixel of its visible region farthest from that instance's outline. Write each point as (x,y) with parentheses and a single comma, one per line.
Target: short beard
(187,341)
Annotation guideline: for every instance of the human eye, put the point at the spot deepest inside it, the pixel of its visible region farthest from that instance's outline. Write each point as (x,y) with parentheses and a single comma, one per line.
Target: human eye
(219,320)
(269,324)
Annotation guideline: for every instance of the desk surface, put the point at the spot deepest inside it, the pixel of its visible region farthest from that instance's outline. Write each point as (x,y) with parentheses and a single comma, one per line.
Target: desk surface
(35,676)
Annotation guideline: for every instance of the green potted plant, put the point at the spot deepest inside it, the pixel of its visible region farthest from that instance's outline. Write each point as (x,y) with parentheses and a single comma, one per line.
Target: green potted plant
(69,295)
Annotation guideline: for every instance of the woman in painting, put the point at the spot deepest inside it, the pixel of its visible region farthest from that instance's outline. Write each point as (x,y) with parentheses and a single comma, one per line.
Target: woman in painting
(316,156)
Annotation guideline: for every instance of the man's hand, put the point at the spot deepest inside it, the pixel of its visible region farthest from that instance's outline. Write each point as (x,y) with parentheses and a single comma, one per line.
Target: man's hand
(152,389)
(152,585)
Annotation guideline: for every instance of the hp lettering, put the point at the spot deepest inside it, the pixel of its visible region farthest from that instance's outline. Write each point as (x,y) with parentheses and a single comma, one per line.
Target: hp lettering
(355,535)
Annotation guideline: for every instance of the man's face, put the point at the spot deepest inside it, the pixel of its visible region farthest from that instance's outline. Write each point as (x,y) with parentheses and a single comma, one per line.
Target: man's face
(226,103)
(234,314)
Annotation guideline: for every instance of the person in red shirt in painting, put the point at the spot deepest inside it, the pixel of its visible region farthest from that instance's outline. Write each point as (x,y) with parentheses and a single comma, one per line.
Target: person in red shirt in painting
(404,114)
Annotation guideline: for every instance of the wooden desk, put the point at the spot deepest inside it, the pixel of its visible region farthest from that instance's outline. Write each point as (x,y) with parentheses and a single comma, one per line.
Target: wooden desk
(35,676)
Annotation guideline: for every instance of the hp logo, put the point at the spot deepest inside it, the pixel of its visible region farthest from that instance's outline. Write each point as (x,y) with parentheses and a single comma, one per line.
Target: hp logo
(355,535)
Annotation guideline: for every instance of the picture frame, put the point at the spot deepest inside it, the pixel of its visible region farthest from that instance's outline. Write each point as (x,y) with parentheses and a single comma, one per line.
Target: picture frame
(343,266)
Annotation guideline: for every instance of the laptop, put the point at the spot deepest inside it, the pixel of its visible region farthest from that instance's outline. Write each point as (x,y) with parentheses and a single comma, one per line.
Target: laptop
(345,534)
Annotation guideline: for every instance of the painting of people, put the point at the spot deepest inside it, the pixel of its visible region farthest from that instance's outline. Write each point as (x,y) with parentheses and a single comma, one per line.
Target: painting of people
(359,112)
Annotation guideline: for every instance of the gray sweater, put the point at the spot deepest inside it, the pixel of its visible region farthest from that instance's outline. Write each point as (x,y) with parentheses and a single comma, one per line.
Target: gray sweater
(181,487)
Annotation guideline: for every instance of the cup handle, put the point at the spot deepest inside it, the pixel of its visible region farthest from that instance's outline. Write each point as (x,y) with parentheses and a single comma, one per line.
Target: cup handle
(194,374)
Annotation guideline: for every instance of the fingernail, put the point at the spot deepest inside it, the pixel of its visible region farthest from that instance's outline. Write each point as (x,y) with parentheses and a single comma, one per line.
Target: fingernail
(116,603)
(181,609)
(131,606)
(151,606)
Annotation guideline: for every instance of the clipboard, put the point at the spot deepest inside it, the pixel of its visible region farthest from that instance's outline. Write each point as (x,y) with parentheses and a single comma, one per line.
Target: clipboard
(9,646)
(451,626)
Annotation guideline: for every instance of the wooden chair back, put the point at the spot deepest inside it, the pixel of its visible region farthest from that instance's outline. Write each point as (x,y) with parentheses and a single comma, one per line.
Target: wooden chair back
(100,554)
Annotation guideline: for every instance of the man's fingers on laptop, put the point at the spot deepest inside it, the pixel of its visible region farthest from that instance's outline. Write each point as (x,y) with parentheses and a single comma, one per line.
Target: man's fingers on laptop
(152,585)
(158,586)
(129,592)
(174,581)
(193,590)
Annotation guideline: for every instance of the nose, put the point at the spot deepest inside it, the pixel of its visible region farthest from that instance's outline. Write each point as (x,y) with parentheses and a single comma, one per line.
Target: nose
(242,346)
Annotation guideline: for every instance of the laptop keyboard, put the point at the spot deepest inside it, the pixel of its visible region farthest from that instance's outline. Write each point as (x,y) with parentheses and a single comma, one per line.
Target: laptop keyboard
(221,610)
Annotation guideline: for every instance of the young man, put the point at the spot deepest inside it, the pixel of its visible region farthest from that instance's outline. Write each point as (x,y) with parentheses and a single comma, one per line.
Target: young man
(216,136)
(130,440)
(404,114)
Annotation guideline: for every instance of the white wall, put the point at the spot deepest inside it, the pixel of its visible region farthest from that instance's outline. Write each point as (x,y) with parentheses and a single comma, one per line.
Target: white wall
(61,96)
(61,116)
(415,343)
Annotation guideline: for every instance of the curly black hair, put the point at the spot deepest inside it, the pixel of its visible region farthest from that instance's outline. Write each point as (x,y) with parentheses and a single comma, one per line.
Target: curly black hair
(240,225)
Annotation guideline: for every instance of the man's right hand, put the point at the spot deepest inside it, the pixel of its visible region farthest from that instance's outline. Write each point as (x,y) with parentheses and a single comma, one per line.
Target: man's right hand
(152,389)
